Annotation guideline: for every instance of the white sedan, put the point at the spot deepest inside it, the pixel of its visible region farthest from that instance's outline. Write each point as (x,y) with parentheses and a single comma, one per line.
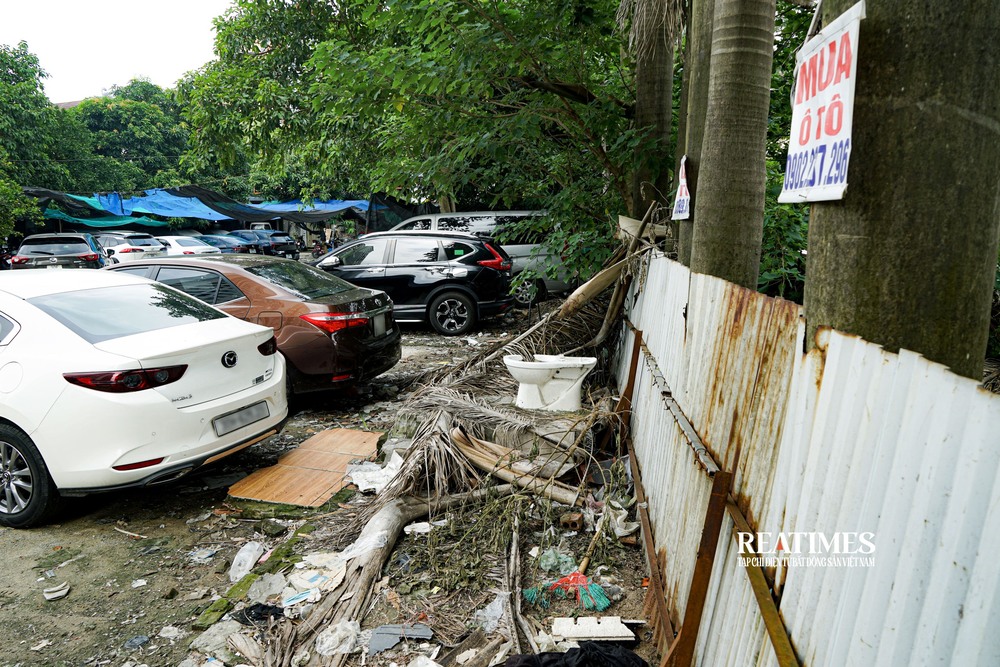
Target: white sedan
(186,245)
(110,381)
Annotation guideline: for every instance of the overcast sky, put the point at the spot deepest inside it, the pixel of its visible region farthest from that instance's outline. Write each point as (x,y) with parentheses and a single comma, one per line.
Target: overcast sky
(87,46)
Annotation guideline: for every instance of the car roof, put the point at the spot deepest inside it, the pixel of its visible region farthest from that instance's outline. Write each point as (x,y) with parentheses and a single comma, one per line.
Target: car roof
(57,235)
(29,284)
(211,261)
(465,236)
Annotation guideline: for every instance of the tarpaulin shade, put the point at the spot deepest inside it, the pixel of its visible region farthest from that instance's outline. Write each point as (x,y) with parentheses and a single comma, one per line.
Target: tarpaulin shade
(105,221)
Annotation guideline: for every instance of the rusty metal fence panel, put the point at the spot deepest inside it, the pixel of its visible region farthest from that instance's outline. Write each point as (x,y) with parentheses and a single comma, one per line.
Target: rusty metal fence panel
(845,438)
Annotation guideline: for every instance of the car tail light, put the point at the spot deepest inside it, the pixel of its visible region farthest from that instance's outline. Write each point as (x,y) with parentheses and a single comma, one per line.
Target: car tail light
(18,259)
(268,347)
(126,249)
(120,382)
(333,322)
(90,257)
(140,464)
(498,262)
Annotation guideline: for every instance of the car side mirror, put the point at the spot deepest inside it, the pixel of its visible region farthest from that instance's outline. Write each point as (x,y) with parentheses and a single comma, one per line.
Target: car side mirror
(330,262)
(109,251)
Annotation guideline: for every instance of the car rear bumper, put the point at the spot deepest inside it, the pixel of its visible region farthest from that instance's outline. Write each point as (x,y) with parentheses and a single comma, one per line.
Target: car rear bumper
(145,426)
(493,308)
(353,361)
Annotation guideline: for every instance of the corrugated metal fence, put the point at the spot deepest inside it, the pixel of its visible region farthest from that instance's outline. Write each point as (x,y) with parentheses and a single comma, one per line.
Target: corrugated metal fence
(844,439)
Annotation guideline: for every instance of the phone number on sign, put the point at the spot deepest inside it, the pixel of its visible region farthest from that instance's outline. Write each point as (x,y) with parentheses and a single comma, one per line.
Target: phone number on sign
(825,164)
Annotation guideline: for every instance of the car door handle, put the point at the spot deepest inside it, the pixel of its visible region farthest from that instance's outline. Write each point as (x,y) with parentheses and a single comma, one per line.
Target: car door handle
(373,270)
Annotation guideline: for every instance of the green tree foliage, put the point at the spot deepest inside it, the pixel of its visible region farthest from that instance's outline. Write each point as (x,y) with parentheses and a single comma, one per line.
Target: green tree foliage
(138,131)
(516,104)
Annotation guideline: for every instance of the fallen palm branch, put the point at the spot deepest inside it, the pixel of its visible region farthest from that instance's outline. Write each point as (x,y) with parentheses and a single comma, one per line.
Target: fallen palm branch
(490,457)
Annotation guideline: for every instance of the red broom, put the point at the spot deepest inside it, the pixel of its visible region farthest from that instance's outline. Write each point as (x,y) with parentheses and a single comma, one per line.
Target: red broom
(588,594)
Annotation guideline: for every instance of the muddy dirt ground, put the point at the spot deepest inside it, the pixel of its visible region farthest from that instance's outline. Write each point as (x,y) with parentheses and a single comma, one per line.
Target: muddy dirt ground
(143,565)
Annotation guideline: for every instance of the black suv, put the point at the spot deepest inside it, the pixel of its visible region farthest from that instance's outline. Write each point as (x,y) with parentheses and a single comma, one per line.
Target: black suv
(450,280)
(60,251)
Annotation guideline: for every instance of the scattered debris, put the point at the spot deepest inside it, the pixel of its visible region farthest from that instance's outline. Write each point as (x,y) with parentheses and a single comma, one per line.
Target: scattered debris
(136,642)
(373,477)
(604,628)
(56,592)
(385,637)
(340,638)
(138,583)
(245,559)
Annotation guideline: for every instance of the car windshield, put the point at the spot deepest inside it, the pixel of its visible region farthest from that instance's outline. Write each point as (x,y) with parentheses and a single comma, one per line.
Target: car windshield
(106,313)
(142,241)
(307,282)
(54,247)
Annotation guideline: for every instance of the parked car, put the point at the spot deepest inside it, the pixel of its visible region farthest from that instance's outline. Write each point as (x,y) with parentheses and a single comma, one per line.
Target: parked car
(113,381)
(225,244)
(282,244)
(527,250)
(448,280)
(253,242)
(332,333)
(60,251)
(129,246)
(186,245)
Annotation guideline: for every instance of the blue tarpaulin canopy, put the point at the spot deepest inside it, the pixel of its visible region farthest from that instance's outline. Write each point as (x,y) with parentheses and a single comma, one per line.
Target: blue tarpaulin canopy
(105,221)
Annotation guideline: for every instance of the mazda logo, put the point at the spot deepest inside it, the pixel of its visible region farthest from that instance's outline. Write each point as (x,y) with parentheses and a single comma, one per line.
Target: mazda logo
(229,359)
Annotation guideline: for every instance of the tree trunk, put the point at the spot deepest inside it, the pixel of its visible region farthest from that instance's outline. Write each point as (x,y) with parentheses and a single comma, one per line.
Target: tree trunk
(907,258)
(729,209)
(697,69)
(653,111)
(684,58)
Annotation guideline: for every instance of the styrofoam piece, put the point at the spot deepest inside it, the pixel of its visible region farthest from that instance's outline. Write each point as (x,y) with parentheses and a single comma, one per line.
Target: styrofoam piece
(591,628)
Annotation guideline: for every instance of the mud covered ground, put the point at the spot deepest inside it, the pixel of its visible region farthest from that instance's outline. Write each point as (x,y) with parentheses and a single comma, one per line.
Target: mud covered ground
(143,565)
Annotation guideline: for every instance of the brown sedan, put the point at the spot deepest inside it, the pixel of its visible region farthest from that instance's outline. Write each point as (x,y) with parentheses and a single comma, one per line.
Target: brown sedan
(331,332)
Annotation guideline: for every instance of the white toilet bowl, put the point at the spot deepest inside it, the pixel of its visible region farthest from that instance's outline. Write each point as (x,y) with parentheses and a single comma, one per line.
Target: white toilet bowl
(550,382)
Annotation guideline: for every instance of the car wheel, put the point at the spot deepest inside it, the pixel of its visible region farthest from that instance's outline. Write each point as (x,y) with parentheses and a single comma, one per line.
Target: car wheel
(27,494)
(529,293)
(452,314)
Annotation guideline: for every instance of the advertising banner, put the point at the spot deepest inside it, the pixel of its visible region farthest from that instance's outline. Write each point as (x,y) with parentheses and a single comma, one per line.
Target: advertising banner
(819,148)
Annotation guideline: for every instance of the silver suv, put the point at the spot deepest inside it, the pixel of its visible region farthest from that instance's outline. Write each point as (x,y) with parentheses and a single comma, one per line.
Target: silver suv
(526,252)
(124,246)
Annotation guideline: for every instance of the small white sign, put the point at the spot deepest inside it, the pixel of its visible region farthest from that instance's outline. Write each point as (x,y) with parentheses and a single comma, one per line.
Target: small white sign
(822,111)
(682,202)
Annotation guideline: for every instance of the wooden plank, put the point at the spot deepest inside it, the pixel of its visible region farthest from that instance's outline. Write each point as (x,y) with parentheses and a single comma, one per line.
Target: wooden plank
(311,474)
(289,485)
(344,441)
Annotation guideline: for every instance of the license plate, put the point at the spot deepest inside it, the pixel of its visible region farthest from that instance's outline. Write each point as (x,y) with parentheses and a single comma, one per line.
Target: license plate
(380,325)
(54,266)
(230,422)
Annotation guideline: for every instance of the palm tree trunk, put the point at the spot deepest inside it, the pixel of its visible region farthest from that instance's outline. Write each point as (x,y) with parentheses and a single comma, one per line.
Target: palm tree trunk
(729,209)
(907,258)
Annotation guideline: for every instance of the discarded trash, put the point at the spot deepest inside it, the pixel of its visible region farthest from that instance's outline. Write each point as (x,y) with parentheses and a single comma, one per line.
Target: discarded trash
(40,645)
(422,661)
(385,637)
(199,518)
(619,520)
(592,628)
(139,583)
(552,560)
(244,560)
(423,527)
(465,657)
(338,639)
(572,521)
(362,546)
(373,477)
(311,595)
(323,559)
(302,580)
(266,586)
(202,556)
(489,616)
(257,614)
(136,642)
(56,592)
(587,653)
(172,632)
(534,552)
